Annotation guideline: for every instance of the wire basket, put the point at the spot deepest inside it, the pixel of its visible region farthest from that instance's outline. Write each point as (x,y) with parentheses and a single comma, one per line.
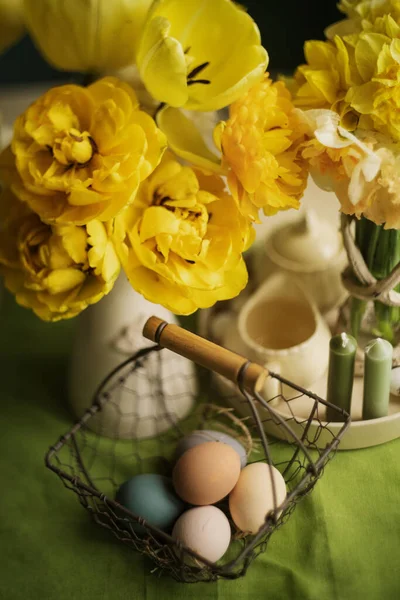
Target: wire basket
(94,466)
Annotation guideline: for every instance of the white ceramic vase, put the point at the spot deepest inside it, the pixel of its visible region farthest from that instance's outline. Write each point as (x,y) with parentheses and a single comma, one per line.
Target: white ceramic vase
(106,335)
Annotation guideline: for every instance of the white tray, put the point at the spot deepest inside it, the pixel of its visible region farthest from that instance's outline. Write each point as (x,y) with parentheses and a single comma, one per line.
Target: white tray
(360,434)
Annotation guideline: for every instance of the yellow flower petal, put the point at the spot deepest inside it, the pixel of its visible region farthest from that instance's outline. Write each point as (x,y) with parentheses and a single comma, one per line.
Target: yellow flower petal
(367,52)
(11,22)
(162,63)
(186,141)
(63,280)
(86,36)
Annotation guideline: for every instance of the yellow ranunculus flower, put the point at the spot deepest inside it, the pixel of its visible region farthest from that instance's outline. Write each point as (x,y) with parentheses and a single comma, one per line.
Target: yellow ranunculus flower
(11,22)
(56,270)
(86,35)
(260,148)
(181,240)
(200,54)
(81,153)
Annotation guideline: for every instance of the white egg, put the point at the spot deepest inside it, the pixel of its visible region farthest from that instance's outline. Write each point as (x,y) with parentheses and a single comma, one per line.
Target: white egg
(205,530)
(252,497)
(395,381)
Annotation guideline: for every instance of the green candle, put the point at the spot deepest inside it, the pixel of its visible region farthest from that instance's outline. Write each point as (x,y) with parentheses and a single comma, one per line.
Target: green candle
(342,355)
(377,373)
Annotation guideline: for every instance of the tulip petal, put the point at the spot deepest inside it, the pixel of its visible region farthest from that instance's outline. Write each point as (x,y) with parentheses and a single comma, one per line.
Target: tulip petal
(11,22)
(186,141)
(161,62)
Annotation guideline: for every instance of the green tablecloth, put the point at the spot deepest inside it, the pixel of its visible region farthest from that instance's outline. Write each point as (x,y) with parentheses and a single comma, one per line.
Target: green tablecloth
(341,543)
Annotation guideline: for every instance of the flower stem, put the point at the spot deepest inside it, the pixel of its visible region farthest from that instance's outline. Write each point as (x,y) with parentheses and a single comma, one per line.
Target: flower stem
(387,256)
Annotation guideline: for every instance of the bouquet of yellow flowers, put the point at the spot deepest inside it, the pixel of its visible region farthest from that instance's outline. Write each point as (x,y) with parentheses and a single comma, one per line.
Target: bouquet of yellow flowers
(349,95)
(92,182)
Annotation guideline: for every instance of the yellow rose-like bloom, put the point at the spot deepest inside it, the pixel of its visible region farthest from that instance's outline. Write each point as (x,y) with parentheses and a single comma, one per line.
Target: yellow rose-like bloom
(181,240)
(58,270)
(11,22)
(200,54)
(260,148)
(86,35)
(80,153)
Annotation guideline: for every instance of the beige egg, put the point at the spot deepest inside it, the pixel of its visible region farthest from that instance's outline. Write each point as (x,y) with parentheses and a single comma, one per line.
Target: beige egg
(252,498)
(206,473)
(205,530)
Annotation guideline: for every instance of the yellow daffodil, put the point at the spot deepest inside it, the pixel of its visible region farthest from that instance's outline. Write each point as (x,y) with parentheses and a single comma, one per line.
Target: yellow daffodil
(81,153)
(377,97)
(336,156)
(90,35)
(200,54)
(369,9)
(11,22)
(356,75)
(363,169)
(324,80)
(260,149)
(181,240)
(57,270)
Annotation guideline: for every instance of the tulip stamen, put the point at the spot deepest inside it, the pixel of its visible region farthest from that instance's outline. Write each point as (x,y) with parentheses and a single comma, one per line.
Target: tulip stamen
(198,70)
(204,81)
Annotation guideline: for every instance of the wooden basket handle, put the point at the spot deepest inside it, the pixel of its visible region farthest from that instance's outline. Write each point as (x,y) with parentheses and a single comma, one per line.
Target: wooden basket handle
(205,353)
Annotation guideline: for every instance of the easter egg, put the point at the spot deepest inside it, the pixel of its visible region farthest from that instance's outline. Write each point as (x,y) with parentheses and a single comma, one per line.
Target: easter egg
(152,497)
(205,530)
(206,473)
(252,497)
(207,435)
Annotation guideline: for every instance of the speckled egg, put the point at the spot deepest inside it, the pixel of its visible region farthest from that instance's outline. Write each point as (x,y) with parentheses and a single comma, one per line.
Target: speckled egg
(202,436)
(252,498)
(205,530)
(206,473)
(152,497)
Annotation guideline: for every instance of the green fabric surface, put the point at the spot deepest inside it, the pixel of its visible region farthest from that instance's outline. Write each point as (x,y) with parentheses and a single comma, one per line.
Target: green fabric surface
(341,543)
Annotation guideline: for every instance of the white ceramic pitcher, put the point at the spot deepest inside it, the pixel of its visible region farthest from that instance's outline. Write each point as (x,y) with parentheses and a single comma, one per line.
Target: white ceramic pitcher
(281,327)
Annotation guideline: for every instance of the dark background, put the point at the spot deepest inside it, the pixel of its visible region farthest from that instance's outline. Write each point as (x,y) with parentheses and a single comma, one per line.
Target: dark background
(284,25)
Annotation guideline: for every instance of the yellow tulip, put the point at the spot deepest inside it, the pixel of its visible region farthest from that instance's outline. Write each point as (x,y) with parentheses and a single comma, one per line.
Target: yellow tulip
(86,35)
(11,22)
(200,54)
(58,270)
(81,153)
(181,240)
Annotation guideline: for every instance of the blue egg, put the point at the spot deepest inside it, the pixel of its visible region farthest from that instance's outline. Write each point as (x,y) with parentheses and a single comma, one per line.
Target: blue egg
(152,497)
(207,435)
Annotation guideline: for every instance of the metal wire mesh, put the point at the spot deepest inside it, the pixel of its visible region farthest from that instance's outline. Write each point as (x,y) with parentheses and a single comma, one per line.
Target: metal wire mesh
(94,466)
